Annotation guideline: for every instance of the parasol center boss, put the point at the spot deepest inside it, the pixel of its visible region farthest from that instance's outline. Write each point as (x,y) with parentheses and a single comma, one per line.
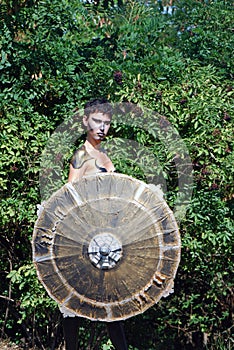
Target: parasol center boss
(105,251)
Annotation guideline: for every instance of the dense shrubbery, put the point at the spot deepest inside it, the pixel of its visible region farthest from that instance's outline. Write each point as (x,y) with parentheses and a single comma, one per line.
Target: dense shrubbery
(55,55)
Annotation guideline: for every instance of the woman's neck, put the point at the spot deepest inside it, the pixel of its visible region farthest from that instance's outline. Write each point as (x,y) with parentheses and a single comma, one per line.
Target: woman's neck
(95,143)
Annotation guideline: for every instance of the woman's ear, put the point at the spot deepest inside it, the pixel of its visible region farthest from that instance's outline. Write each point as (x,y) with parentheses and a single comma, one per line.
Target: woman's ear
(85,120)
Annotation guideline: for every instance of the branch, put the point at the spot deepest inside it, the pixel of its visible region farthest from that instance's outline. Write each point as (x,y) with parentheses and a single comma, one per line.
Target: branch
(7,298)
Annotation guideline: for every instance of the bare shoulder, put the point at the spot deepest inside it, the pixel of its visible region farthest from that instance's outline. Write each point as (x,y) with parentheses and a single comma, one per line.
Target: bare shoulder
(80,157)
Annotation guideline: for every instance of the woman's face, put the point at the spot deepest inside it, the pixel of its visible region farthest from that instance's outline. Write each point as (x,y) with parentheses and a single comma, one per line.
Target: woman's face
(97,125)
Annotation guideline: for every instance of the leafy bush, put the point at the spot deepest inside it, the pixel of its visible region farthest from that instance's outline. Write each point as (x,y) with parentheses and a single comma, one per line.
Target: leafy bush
(57,55)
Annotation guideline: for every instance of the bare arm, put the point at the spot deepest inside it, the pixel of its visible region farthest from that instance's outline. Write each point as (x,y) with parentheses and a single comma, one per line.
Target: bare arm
(75,174)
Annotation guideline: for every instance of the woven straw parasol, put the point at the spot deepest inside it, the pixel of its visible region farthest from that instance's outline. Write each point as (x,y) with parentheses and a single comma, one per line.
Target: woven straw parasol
(106,247)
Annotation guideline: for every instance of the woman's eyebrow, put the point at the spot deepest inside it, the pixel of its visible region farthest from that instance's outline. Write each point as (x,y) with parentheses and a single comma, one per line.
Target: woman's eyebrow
(101,121)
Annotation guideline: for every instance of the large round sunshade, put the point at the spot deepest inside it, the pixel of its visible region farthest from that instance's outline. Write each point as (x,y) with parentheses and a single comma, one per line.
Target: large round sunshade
(106,247)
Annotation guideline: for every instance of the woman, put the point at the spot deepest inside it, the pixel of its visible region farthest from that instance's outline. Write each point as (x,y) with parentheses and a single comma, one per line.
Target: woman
(91,159)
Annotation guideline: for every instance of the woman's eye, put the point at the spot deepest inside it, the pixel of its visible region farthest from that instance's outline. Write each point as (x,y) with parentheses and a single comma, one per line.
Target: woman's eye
(99,121)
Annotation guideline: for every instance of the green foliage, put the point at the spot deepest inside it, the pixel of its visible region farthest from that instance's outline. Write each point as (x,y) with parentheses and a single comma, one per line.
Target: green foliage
(107,346)
(34,307)
(204,35)
(33,294)
(55,55)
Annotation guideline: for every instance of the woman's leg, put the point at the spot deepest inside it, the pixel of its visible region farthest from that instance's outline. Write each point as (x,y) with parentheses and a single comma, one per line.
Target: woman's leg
(117,335)
(71,330)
